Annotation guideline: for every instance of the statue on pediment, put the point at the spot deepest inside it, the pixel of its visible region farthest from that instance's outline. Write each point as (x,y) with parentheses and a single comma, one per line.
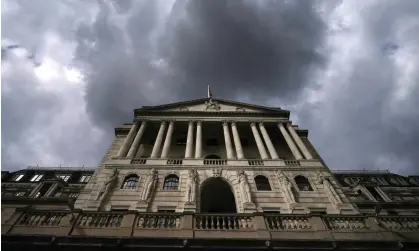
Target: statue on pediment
(210,104)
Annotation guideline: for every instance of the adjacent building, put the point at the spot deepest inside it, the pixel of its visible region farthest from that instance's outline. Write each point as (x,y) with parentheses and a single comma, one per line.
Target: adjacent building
(206,174)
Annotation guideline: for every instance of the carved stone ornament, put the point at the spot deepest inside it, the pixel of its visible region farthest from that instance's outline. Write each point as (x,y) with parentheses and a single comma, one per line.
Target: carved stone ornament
(216,172)
(210,104)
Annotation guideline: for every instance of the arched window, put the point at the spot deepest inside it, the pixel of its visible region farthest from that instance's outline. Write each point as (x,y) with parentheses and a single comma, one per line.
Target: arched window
(302,183)
(262,183)
(171,182)
(130,182)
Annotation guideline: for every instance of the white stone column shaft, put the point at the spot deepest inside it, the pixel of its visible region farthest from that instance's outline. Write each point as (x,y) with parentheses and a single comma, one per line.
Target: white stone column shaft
(227,140)
(189,140)
(168,140)
(198,144)
(137,139)
(157,143)
(299,142)
(237,143)
(290,143)
(259,143)
(124,148)
(268,142)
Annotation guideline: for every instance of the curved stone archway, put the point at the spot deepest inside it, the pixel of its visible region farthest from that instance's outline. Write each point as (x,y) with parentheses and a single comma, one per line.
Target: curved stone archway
(217,197)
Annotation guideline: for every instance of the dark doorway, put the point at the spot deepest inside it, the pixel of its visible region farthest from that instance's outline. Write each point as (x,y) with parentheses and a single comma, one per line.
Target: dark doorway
(217,197)
(212,156)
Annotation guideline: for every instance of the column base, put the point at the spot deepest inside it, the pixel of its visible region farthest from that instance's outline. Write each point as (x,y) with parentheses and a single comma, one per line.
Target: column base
(142,206)
(249,207)
(189,207)
(93,205)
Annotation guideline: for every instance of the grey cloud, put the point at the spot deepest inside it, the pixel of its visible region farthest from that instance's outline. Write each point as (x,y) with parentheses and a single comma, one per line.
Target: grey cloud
(232,45)
(366,125)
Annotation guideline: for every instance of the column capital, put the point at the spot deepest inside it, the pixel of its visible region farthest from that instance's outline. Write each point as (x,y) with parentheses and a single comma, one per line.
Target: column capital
(253,123)
(225,122)
(191,121)
(199,122)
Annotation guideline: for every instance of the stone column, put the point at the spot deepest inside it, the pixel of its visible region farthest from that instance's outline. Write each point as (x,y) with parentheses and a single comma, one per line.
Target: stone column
(227,140)
(124,148)
(237,142)
(268,142)
(168,140)
(137,139)
(198,144)
(157,143)
(189,141)
(259,142)
(289,141)
(299,142)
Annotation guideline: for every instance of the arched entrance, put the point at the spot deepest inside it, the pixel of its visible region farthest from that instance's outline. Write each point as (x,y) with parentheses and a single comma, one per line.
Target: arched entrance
(217,197)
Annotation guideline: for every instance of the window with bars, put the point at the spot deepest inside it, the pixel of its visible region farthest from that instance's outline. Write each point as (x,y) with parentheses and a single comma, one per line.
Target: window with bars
(262,183)
(303,183)
(130,182)
(352,180)
(171,182)
(64,177)
(379,181)
(18,177)
(85,178)
(36,177)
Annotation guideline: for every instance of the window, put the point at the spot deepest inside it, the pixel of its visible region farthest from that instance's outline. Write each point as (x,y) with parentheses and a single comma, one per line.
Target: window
(302,183)
(352,180)
(18,177)
(20,194)
(36,177)
(130,182)
(212,142)
(379,181)
(262,183)
(171,182)
(85,178)
(64,177)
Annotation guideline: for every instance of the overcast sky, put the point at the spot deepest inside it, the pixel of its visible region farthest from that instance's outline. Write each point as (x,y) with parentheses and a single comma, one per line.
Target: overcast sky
(348,71)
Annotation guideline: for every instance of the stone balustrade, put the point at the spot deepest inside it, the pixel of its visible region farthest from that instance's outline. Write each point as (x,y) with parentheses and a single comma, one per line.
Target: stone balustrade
(41,218)
(223,222)
(287,223)
(174,162)
(158,221)
(215,162)
(347,223)
(274,227)
(255,162)
(139,161)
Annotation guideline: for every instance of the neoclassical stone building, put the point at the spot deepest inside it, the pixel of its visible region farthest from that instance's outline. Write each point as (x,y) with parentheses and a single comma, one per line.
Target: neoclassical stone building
(210,173)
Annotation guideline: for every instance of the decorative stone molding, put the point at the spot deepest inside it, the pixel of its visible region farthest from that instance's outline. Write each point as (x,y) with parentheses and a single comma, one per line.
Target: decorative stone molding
(213,105)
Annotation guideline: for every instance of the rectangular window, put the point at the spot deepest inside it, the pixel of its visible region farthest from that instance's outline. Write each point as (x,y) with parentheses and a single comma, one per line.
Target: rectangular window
(64,177)
(380,181)
(85,178)
(36,177)
(18,177)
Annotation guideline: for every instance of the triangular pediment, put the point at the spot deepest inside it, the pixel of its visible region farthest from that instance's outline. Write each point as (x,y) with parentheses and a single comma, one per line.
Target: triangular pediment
(212,105)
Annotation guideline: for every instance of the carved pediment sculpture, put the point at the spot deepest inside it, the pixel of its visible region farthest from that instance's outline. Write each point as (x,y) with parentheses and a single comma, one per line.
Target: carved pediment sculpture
(212,105)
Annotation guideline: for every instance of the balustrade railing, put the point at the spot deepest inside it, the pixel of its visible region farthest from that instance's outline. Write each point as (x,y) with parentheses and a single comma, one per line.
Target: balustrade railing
(255,162)
(287,223)
(292,162)
(215,162)
(140,161)
(100,220)
(174,161)
(347,223)
(399,224)
(223,222)
(41,218)
(158,221)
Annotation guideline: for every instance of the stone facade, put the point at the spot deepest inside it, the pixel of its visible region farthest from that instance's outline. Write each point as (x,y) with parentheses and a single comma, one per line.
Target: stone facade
(216,165)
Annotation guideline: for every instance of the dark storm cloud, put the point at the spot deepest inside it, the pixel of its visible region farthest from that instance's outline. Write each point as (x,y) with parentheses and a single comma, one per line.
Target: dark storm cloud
(232,45)
(369,121)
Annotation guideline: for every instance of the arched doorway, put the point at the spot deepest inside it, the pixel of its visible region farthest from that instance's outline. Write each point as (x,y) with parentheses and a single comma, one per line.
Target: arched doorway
(217,197)
(212,156)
